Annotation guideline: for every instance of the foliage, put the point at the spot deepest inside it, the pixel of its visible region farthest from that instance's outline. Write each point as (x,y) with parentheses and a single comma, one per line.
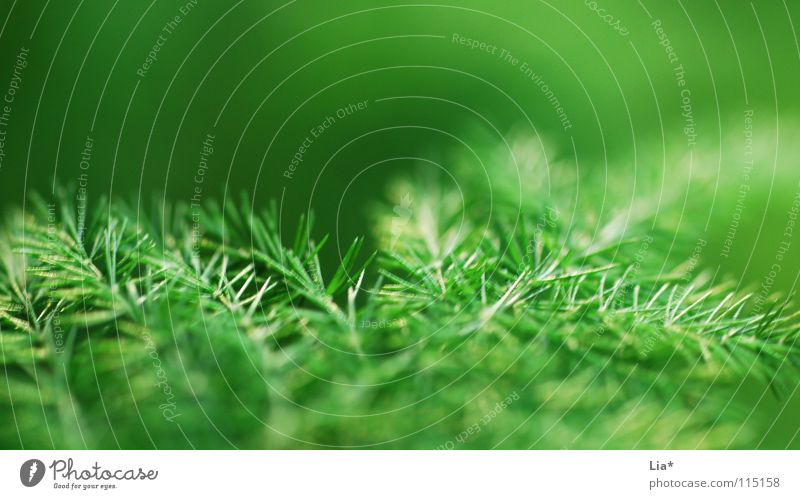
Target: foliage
(188,327)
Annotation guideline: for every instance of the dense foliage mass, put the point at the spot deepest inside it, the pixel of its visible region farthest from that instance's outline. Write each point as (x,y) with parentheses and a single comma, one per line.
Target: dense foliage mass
(477,325)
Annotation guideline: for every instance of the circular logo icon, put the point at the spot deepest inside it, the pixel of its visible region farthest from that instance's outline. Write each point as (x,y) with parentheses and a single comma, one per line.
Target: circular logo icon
(31,472)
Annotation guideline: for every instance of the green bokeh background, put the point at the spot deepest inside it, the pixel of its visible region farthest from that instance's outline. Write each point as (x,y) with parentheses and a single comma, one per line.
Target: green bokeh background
(260,75)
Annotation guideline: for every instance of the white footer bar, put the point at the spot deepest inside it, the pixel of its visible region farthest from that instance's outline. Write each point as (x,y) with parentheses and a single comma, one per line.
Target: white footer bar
(384,474)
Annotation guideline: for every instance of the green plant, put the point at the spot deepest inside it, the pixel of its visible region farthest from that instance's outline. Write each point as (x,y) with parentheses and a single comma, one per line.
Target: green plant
(189,327)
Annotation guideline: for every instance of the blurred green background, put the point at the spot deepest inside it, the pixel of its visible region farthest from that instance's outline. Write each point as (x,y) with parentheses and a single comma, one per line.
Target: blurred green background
(260,75)
(438,82)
